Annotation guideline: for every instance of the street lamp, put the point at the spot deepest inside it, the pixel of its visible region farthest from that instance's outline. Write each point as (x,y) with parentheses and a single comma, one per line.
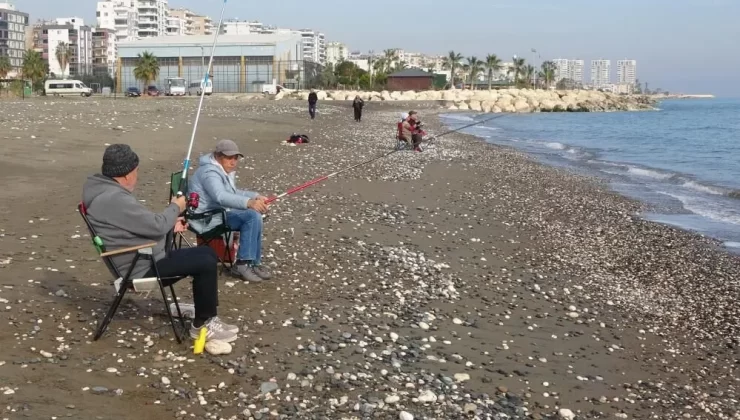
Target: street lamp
(370,67)
(534,63)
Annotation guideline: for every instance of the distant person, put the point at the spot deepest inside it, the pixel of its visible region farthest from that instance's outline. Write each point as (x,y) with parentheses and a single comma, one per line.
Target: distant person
(399,134)
(312,99)
(357,104)
(411,132)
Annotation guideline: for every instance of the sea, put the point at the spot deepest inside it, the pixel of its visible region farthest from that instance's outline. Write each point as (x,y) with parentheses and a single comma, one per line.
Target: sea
(683,158)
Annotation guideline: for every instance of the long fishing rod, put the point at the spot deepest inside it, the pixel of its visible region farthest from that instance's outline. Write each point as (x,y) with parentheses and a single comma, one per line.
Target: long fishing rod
(186,163)
(349,168)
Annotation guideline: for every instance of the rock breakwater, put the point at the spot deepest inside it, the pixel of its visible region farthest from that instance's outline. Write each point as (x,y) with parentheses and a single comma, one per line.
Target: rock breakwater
(496,101)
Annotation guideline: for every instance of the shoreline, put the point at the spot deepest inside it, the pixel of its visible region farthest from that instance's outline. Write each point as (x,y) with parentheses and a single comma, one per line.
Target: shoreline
(466,280)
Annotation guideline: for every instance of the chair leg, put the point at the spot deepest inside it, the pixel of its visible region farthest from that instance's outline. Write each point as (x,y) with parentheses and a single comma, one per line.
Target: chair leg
(179,312)
(167,306)
(111,311)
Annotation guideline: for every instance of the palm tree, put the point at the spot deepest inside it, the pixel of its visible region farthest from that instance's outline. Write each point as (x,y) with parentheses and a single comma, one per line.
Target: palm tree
(63,54)
(34,66)
(452,61)
(390,59)
(518,69)
(529,75)
(5,66)
(475,66)
(547,74)
(147,68)
(493,64)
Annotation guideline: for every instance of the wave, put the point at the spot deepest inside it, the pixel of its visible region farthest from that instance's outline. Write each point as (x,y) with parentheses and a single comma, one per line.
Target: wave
(706,208)
(648,173)
(556,146)
(457,117)
(704,188)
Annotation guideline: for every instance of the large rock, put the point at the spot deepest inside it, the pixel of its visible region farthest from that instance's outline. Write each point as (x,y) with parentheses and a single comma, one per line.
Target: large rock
(279,96)
(474,105)
(487,106)
(450,95)
(521,105)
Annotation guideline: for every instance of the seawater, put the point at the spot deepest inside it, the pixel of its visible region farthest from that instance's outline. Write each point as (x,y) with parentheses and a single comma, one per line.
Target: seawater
(683,159)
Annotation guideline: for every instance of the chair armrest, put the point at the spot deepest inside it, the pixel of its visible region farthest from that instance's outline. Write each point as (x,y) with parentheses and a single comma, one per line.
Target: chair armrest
(127,250)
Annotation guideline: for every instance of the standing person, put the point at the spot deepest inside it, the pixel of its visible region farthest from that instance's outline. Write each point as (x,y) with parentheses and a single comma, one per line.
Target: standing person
(312,99)
(357,105)
(122,221)
(215,183)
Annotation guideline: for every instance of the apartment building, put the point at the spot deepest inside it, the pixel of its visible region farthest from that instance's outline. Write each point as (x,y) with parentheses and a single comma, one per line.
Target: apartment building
(336,52)
(569,69)
(49,35)
(313,42)
(104,51)
(626,72)
(241,27)
(202,25)
(600,73)
(133,19)
(13,24)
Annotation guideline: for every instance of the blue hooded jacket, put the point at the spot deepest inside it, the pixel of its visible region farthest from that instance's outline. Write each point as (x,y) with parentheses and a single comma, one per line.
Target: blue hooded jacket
(217,190)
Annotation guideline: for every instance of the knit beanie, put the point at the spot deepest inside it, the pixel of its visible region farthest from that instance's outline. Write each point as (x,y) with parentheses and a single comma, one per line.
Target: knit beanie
(119,160)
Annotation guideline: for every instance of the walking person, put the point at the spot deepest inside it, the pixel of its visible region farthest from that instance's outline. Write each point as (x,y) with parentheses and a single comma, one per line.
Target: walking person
(312,99)
(357,105)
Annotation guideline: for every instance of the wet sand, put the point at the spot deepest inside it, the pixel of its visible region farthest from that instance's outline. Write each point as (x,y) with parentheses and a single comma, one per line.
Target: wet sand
(464,281)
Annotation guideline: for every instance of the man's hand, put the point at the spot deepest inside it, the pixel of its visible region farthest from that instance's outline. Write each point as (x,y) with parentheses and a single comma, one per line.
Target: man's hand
(181,225)
(180,201)
(258,204)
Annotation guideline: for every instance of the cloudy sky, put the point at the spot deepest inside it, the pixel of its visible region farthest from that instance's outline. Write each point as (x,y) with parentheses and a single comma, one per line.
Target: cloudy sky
(692,46)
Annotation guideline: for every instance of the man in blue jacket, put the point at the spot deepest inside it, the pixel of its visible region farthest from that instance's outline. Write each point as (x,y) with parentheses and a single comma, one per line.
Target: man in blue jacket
(215,182)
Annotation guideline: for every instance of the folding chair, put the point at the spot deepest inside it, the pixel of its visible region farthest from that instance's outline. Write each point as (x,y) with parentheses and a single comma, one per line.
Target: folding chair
(125,283)
(219,232)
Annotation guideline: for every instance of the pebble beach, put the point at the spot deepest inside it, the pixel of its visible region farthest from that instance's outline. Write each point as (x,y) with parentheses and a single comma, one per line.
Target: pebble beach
(464,282)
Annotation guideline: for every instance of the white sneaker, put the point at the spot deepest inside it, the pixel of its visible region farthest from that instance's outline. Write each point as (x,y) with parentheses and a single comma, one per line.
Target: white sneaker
(188,311)
(216,331)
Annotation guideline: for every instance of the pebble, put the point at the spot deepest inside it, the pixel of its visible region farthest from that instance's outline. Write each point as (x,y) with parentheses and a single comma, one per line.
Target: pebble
(405,415)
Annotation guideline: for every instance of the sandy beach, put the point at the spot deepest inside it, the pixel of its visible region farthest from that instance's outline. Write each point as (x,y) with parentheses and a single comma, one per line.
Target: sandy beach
(468,281)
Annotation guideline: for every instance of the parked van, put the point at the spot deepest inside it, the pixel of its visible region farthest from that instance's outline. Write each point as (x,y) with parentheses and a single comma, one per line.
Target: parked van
(175,86)
(195,88)
(66,87)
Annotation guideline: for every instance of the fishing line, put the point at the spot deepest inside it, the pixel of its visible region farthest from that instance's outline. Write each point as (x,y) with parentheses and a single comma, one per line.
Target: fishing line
(357,165)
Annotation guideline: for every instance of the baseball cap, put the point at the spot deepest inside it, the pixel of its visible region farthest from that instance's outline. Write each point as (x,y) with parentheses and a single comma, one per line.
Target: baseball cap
(228,148)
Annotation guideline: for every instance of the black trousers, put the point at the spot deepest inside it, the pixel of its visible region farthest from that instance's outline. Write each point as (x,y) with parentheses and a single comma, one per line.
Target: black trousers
(358,114)
(312,110)
(417,138)
(201,263)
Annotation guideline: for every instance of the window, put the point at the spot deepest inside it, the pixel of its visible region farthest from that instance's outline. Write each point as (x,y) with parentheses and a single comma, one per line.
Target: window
(97,14)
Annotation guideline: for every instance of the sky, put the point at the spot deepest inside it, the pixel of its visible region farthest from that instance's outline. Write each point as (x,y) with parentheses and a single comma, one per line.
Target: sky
(687,46)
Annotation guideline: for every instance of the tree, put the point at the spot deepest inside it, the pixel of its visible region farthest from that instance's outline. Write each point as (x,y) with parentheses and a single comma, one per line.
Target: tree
(328,79)
(547,75)
(475,66)
(518,69)
(638,87)
(34,68)
(493,64)
(64,52)
(5,66)
(147,68)
(348,73)
(452,62)
(529,75)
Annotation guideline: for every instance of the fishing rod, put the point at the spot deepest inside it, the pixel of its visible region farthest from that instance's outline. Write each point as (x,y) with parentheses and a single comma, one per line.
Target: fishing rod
(349,168)
(186,163)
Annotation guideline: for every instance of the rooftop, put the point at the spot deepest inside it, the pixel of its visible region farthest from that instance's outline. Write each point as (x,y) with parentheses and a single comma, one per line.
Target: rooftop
(185,40)
(411,73)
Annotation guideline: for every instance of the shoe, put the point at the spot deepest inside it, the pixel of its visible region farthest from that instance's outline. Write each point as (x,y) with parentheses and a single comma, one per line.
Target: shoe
(188,311)
(216,331)
(262,271)
(246,273)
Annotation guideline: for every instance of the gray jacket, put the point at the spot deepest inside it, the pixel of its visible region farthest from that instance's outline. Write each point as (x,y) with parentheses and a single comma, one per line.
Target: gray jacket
(122,221)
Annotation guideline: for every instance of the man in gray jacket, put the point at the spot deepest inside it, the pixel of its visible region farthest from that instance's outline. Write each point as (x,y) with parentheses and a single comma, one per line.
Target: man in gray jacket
(121,221)
(215,183)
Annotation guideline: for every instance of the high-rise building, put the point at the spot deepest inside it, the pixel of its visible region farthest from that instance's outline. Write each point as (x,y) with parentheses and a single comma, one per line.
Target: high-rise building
(568,69)
(241,27)
(51,37)
(600,73)
(13,24)
(561,68)
(626,72)
(202,25)
(104,51)
(133,19)
(336,52)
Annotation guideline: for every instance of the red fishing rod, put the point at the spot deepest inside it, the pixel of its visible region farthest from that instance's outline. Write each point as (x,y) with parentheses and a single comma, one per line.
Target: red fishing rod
(325,177)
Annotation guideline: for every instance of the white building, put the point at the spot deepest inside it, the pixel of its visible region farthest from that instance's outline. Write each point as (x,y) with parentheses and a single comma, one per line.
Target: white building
(626,72)
(314,43)
(133,19)
(600,73)
(336,52)
(569,69)
(561,68)
(314,46)
(13,36)
(176,26)
(242,27)
(78,37)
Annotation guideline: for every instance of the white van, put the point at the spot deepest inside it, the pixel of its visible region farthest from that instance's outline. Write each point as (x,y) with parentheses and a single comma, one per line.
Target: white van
(175,86)
(66,87)
(195,88)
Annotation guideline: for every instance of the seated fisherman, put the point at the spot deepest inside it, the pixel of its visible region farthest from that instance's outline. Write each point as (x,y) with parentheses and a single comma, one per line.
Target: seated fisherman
(411,131)
(215,182)
(122,221)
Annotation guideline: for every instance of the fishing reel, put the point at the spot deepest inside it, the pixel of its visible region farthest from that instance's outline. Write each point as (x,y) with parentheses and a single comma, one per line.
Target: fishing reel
(192,203)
